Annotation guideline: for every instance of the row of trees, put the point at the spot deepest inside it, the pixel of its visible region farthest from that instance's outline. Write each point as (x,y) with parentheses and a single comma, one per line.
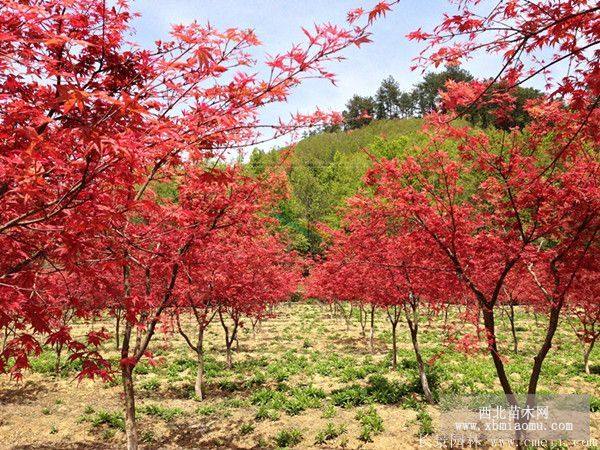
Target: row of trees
(486,229)
(488,219)
(390,102)
(114,200)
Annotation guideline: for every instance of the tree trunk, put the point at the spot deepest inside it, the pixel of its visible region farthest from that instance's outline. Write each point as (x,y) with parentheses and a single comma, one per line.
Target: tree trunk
(118,331)
(130,424)
(372,331)
(538,361)
(513,330)
(413,326)
(229,337)
(200,357)
(362,317)
(394,346)
(127,380)
(229,359)
(586,357)
(490,328)
(127,374)
(343,314)
(394,321)
(59,348)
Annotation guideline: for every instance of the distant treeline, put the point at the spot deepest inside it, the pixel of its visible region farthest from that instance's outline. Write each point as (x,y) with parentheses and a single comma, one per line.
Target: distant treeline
(390,102)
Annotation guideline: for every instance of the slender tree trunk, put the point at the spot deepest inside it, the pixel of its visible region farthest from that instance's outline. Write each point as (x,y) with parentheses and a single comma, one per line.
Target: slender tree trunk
(118,330)
(127,380)
(586,357)
(229,359)
(229,338)
(513,330)
(362,317)
(372,330)
(394,346)
(490,328)
(130,424)
(344,316)
(255,323)
(59,348)
(394,321)
(200,372)
(538,361)
(5,339)
(413,326)
(127,374)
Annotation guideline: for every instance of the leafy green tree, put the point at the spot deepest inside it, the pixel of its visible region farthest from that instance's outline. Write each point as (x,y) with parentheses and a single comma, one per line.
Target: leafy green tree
(258,162)
(359,111)
(387,99)
(426,93)
(407,104)
(485,114)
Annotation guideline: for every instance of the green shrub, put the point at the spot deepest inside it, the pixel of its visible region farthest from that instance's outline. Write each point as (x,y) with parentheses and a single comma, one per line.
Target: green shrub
(147,437)
(594,404)
(329,433)
(151,384)
(111,419)
(353,395)
(247,428)
(371,424)
(234,403)
(329,412)
(425,423)
(264,413)
(206,410)
(228,386)
(381,390)
(268,397)
(288,438)
(166,414)
(143,368)
(257,379)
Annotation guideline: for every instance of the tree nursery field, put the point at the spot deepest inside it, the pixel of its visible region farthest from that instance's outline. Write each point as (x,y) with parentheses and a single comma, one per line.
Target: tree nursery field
(187,263)
(306,378)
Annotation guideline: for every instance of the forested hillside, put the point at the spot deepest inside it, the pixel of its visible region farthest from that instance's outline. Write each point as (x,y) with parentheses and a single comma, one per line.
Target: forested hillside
(325,168)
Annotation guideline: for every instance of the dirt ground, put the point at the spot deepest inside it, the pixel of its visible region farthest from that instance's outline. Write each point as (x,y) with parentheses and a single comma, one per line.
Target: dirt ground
(297,380)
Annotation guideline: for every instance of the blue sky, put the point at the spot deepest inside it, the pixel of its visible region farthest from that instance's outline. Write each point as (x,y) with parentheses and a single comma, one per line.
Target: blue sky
(277,24)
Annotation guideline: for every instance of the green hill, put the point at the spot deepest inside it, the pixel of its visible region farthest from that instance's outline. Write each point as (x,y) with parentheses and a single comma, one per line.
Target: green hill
(326,168)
